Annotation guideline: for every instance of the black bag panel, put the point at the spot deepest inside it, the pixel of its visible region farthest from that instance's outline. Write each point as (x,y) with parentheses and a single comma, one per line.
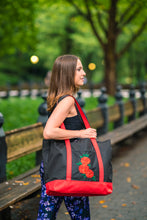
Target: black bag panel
(106,153)
(81,144)
(54,159)
(82,170)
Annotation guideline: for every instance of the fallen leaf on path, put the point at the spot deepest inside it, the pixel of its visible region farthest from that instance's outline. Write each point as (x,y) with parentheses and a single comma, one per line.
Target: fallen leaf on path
(35,176)
(135,186)
(129,179)
(19,181)
(126,164)
(102,201)
(104,206)
(25,184)
(124,204)
(66,213)
(38,180)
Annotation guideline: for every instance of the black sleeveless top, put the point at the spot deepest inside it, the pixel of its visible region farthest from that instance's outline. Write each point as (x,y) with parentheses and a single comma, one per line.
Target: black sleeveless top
(75,122)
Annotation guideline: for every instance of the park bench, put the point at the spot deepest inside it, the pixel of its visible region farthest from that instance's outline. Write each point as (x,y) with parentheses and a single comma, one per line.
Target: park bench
(28,139)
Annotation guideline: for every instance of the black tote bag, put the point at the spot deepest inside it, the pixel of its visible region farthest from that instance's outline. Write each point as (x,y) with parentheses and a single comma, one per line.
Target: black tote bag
(77,168)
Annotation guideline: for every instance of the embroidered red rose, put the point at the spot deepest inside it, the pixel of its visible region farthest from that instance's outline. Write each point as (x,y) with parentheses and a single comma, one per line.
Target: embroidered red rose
(83,169)
(89,173)
(85,160)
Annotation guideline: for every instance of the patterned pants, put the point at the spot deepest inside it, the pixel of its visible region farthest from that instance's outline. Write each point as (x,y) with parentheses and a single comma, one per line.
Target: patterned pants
(78,207)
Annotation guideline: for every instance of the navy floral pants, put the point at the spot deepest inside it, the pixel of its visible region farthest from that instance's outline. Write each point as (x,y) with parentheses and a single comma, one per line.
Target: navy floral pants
(78,207)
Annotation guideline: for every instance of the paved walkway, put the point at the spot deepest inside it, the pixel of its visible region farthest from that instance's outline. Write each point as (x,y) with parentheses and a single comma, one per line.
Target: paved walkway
(129,198)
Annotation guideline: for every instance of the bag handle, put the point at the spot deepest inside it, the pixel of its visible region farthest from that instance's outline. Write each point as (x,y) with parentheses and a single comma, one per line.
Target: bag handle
(94,142)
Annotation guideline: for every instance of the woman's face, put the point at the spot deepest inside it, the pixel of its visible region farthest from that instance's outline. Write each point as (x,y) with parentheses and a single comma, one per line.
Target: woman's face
(79,74)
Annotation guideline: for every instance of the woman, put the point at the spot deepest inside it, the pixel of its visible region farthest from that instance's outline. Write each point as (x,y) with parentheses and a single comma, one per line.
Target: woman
(67,77)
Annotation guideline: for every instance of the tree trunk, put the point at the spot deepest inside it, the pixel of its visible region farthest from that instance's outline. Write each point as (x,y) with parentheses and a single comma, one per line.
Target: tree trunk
(110,49)
(110,72)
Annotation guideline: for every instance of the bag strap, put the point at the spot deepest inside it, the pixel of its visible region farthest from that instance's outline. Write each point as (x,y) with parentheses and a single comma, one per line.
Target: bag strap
(94,142)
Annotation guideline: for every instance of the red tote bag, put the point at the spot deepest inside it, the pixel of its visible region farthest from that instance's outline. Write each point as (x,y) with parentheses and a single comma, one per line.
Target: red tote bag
(81,167)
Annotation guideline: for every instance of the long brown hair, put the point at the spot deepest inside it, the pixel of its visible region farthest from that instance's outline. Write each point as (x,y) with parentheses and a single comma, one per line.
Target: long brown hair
(62,79)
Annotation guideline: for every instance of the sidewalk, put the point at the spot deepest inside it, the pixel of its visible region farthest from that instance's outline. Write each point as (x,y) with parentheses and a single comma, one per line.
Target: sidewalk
(129,198)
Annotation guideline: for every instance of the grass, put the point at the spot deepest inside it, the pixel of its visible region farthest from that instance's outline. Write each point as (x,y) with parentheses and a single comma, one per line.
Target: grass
(19,112)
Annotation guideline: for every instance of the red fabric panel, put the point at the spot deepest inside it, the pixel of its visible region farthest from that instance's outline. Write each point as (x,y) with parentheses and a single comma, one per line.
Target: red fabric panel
(78,188)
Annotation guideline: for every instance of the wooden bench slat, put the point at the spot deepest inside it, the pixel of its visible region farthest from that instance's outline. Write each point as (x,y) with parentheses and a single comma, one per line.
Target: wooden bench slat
(126,130)
(23,141)
(128,108)
(95,118)
(113,113)
(13,191)
(139,105)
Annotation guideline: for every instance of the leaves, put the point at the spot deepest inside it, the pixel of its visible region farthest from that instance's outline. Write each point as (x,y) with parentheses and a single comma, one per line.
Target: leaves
(17,21)
(129,179)
(127,164)
(102,201)
(135,186)
(104,206)
(124,205)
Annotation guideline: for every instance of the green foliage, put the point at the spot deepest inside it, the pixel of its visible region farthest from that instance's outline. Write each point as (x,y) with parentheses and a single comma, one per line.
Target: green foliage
(21,165)
(51,28)
(19,112)
(65,35)
(90,103)
(5,78)
(17,30)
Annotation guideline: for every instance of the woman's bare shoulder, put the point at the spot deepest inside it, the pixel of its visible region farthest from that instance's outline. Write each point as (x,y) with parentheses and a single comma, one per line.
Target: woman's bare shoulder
(69,100)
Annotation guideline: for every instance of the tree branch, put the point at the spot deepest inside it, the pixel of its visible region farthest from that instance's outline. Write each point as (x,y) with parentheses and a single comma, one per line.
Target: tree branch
(101,23)
(140,30)
(131,17)
(89,18)
(126,12)
(78,9)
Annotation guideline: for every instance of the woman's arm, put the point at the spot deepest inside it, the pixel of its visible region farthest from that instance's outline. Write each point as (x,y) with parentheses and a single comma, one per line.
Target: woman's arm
(52,130)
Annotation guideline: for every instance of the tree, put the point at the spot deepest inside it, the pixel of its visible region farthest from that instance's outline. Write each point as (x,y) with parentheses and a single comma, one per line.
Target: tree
(109,20)
(17,29)
(59,35)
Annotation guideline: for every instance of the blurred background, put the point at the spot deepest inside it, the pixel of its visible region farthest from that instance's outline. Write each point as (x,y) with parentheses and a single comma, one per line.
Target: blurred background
(109,36)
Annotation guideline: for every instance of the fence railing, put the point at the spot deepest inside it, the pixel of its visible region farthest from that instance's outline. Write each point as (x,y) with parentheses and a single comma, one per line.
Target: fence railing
(30,89)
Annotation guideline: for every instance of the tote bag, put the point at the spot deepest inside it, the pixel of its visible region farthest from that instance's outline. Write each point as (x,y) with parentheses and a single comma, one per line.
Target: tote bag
(81,167)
